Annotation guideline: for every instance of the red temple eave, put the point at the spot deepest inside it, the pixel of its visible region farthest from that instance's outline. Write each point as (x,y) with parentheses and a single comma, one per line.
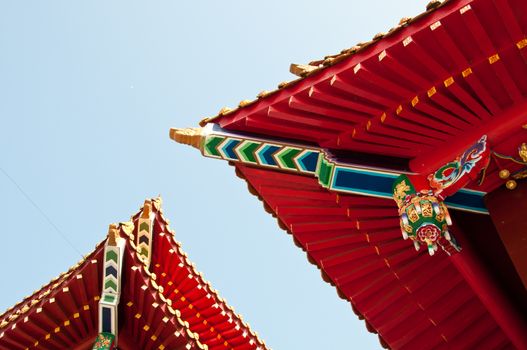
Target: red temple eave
(450,84)
(410,299)
(145,306)
(164,303)
(188,291)
(419,90)
(338,63)
(61,314)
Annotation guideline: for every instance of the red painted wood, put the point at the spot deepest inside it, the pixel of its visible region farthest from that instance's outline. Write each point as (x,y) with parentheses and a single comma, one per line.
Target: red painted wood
(507,210)
(413,300)
(502,311)
(367,102)
(497,130)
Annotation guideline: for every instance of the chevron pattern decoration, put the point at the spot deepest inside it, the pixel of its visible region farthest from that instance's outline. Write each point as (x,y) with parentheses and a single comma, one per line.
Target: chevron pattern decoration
(260,153)
(332,175)
(111,287)
(144,232)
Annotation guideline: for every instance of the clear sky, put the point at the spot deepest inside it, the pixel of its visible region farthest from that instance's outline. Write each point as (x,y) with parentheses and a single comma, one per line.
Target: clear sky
(89,90)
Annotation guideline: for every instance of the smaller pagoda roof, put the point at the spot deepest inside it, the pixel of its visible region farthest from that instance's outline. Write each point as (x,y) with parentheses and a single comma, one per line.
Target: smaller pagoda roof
(165,302)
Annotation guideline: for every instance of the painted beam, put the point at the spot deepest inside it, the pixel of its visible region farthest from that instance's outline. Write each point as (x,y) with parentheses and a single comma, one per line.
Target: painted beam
(215,142)
(145,227)
(111,290)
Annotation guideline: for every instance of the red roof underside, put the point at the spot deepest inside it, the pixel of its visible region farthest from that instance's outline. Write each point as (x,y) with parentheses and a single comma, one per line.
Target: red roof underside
(77,293)
(218,326)
(412,300)
(341,106)
(64,314)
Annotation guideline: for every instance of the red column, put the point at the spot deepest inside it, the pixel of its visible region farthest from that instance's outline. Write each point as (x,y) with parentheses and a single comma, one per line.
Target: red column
(507,317)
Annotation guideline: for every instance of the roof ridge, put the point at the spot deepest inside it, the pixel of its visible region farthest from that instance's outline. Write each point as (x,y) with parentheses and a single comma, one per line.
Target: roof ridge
(151,279)
(313,67)
(199,275)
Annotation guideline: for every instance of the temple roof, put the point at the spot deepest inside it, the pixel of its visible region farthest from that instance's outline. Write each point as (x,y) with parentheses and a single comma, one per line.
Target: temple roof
(412,102)
(166,302)
(410,299)
(315,66)
(417,95)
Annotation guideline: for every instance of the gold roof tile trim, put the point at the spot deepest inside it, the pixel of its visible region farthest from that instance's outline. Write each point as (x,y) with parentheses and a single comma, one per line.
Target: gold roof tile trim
(151,282)
(113,235)
(199,277)
(187,263)
(305,70)
(245,103)
(190,136)
(29,302)
(302,70)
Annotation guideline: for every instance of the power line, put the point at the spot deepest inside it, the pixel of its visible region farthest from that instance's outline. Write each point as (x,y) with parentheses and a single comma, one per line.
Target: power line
(57,230)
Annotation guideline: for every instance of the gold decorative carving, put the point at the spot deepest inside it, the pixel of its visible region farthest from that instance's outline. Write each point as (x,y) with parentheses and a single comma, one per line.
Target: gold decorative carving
(412,214)
(400,192)
(522,152)
(113,234)
(511,184)
(190,136)
(426,208)
(301,70)
(504,174)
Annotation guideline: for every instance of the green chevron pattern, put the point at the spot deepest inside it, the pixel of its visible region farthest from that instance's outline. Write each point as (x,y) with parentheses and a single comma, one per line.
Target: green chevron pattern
(144,238)
(110,284)
(112,255)
(111,288)
(211,145)
(245,151)
(285,157)
(257,152)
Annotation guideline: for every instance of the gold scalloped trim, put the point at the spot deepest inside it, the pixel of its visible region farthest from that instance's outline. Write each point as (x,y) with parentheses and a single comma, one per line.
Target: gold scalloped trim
(222,303)
(199,277)
(304,71)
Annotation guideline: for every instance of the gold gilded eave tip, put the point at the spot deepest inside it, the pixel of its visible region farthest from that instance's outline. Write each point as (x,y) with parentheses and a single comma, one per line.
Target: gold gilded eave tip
(113,234)
(190,136)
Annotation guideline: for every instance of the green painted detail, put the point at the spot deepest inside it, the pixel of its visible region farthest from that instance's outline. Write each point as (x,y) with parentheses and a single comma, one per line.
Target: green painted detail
(110,284)
(109,298)
(144,251)
(111,255)
(424,218)
(104,341)
(286,157)
(211,144)
(144,227)
(324,172)
(246,151)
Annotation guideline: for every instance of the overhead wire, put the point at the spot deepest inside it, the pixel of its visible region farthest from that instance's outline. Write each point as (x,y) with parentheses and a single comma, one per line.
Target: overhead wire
(39,209)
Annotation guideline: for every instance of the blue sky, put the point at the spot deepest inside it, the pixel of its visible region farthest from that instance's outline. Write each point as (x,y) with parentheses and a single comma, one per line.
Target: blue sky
(89,90)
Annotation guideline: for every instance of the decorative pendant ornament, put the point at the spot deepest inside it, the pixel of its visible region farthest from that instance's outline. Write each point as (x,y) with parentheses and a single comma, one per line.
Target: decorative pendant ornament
(424,217)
